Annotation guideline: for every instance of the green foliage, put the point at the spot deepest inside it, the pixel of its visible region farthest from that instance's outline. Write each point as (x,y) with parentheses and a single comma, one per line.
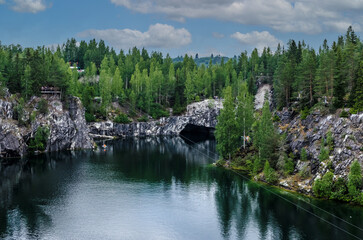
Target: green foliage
(324,152)
(226,130)
(355,181)
(157,111)
(276,118)
(122,118)
(89,117)
(144,118)
(323,187)
(19,111)
(339,190)
(43,106)
(304,113)
(330,141)
(269,173)
(289,166)
(303,155)
(344,114)
(40,139)
(265,137)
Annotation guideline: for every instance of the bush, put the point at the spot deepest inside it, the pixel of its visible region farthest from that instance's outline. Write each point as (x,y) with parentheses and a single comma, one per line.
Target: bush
(339,190)
(324,153)
(144,118)
(257,166)
(323,187)
(344,114)
(269,173)
(122,118)
(303,155)
(157,111)
(289,166)
(304,172)
(40,139)
(276,118)
(355,181)
(89,117)
(43,106)
(330,140)
(304,113)
(19,112)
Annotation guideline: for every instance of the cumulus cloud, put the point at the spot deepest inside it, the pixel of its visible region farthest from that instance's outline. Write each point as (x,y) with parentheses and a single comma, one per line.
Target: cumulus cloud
(31,6)
(157,36)
(257,39)
(308,16)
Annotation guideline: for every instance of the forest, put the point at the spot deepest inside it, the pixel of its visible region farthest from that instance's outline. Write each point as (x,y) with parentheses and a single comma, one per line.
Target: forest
(301,76)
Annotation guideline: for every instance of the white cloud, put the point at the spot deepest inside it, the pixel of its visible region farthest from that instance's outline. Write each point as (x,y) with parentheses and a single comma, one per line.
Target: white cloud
(157,36)
(31,6)
(308,16)
(257,39)
(2,1)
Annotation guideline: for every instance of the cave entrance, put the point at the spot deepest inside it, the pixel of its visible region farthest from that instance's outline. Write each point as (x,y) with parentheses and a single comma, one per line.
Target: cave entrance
(197,133)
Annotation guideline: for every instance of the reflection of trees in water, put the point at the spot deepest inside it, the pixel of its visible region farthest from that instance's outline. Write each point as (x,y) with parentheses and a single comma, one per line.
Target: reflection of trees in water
(25,186)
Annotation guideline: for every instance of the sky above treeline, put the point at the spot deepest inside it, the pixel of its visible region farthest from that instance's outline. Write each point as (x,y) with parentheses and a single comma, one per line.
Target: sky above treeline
(225,27)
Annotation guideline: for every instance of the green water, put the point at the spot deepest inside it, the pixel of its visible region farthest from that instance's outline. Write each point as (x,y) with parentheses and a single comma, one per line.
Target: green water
(157,188)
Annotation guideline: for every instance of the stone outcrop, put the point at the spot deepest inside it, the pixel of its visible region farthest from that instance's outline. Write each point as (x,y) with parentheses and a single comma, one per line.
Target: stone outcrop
(68,128)
(201,114)
(347,135)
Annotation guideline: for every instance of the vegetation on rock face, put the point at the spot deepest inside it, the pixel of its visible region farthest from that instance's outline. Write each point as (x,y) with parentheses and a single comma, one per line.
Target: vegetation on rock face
(39,142)
(339,189)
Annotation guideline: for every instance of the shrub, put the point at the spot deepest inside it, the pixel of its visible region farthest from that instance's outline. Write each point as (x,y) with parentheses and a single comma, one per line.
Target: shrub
(40,139)
(157,111)
(43,106)
(289,166)
(304,113)
(303,155)
(324,153)
(33,115)
(144,118)
(323,187)
(304,172)
(276,118)
(19,112)
(344,114)
(355,181)
(256,166)
(330,141)
(339,190)
(269,173)
(122,118)
(89,117)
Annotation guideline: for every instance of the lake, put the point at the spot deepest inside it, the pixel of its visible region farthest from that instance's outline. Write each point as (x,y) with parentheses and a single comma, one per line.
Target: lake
(156,188)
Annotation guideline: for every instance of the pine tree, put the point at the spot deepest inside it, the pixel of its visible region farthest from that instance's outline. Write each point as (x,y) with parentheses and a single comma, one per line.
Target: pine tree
(358,105)
(339,83)
(226,130)
(189,88)
(244,112)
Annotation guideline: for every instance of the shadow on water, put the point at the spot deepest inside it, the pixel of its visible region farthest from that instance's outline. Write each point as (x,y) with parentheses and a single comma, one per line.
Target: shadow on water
(32,192)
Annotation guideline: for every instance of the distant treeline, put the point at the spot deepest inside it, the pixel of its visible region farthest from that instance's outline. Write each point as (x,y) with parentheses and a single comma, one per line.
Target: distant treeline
(150,82)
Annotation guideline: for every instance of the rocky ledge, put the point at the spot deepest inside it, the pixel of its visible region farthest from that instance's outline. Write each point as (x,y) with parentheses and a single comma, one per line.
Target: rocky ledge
(201,114)
(67,126)
(347,134)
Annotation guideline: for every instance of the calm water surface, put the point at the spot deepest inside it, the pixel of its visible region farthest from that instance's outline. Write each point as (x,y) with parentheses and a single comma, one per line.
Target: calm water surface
(157,188)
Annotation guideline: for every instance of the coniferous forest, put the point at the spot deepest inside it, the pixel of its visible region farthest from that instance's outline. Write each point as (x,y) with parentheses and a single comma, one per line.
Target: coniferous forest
(301,76)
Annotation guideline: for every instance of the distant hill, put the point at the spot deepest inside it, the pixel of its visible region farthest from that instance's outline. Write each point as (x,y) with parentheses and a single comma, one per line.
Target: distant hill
(204,60)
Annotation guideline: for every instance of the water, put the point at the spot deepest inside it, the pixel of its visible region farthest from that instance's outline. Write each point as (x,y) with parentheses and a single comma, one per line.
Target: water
(157,188)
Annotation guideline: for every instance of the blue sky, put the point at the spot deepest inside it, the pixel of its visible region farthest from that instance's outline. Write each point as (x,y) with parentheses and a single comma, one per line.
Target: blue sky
(224,27)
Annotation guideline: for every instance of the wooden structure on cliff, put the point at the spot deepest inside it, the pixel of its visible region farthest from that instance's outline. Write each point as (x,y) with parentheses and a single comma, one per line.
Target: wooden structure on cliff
(51,91)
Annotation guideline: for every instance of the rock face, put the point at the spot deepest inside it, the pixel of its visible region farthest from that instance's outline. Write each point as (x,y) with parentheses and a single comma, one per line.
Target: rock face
(68,128)
(201,114)
(310,132)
